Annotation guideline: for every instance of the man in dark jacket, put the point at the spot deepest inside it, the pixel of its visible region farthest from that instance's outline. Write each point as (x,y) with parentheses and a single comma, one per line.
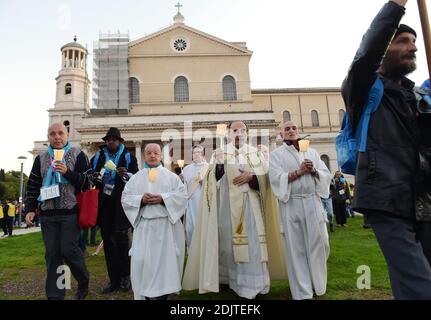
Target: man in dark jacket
(116,164)
(57,175)
(387,172)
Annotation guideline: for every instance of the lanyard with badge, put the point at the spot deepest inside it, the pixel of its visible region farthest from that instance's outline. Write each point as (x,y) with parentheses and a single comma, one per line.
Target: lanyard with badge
(111,167)
(51,188)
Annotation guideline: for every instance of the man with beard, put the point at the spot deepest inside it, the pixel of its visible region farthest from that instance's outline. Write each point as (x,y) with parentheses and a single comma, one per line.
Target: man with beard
(387,172)
(113,223)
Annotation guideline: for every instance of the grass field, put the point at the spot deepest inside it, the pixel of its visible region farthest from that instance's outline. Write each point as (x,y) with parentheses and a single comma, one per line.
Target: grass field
(22,269)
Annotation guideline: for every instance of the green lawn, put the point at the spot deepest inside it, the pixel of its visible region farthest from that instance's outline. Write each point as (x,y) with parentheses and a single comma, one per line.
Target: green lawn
(22,269)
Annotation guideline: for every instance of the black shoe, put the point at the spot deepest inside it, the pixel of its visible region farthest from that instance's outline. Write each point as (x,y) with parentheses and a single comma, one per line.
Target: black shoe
(110,289)
(125,284)
(82,293)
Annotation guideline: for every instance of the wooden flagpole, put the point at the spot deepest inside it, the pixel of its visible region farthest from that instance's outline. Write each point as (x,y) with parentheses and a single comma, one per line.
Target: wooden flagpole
(423,13)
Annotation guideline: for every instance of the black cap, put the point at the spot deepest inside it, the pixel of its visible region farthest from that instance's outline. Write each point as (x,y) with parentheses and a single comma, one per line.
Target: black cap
(113,132)
(404,28)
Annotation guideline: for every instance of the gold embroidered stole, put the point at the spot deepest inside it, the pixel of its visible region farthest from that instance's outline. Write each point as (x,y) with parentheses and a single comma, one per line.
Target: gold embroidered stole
(248,160)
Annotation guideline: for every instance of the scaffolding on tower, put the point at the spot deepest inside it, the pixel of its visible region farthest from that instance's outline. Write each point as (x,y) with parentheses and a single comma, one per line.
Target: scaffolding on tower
(110,72)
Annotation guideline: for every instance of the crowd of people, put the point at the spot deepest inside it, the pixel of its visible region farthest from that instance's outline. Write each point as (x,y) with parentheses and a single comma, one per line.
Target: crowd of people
(248,216)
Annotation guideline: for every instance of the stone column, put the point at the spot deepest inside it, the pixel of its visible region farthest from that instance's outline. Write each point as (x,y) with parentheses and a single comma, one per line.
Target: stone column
(272,142)
(166,154)
(138,153)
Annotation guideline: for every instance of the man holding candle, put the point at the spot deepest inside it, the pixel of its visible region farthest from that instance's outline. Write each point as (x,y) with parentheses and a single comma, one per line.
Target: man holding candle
(232,240)
(115,164)
(154,200)
(393,172)
(54,182)
(299,179)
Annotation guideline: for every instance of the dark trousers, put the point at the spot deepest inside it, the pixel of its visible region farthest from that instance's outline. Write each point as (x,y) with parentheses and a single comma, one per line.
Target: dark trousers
(406,246)
(115,244)
(340,212)
(60,235)
(8,225)
(92,236)
(3,225)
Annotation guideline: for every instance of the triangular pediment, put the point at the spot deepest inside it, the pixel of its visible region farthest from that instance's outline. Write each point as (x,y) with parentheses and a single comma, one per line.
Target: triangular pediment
(169,41)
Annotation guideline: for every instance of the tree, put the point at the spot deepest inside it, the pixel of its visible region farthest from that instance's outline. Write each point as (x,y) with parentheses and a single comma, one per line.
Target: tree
(2,190)
(12,182)
(2,175)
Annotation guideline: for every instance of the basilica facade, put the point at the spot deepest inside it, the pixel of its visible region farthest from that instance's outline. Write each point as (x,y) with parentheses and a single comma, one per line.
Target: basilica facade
(173,87)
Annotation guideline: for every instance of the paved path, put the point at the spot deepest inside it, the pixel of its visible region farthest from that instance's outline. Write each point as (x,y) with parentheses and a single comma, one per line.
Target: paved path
(17,232)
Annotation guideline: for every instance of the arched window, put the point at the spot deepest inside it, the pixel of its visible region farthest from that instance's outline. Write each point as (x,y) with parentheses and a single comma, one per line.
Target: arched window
(68,88)
(133,90)
(341,115)
(325,159)
(229,88)
(314,118)
(286,116)
(67,125)
(181,89)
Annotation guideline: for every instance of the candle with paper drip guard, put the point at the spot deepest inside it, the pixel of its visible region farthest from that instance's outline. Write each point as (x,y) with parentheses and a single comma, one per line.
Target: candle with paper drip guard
(221,132)
(303,147)
(180,164)
(152,175)
(110,165)
(58,156)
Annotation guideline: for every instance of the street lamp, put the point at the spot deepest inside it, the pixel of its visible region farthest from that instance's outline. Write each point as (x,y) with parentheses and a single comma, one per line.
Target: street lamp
(21,183)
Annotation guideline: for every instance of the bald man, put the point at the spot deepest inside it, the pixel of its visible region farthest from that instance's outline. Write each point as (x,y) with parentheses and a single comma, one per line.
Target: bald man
(299,180)
(229,244)
(154,200)
(54,180)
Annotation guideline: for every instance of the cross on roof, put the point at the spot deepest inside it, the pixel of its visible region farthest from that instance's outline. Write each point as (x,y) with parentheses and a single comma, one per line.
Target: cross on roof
(178,5)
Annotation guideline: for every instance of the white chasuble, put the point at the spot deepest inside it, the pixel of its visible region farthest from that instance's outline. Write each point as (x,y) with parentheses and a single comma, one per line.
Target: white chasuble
(229,242)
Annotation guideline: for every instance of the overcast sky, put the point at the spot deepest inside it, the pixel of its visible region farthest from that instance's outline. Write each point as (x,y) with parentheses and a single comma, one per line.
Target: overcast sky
(296,43)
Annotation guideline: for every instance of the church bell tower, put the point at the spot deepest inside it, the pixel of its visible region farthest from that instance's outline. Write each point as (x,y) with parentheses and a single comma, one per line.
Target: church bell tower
(73,88)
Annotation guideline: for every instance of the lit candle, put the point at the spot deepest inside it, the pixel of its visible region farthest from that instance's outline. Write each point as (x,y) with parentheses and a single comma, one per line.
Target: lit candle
(58,156)
(110,165)
(180,163)
(303,147)
(221,132)
(152,175)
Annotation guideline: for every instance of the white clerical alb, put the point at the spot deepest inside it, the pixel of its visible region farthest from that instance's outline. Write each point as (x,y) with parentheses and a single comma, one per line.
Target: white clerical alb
(193,177)
(157,253)
(303,219)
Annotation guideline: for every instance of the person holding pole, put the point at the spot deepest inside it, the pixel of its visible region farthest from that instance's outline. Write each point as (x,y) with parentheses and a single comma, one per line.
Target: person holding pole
(387,172)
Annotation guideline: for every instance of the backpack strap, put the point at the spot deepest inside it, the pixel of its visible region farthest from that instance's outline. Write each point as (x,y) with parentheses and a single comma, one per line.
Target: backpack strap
(374,97)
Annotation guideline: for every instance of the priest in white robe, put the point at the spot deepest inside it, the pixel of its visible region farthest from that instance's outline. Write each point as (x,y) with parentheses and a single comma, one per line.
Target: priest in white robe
(194,175)
(235,220)
(299,180)
(154,200)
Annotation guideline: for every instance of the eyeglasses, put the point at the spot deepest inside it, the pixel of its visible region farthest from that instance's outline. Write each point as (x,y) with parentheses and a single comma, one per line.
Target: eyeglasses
(294,128)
